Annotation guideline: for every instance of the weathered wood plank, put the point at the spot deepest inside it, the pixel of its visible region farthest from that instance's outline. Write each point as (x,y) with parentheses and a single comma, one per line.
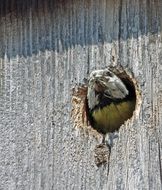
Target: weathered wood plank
(49,47)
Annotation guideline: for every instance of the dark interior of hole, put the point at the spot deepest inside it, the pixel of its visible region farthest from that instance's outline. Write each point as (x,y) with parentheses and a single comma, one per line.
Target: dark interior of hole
(130,86)
(132,93)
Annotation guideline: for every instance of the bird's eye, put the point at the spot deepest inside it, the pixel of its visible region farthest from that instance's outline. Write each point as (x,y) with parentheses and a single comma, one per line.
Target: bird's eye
(108,73)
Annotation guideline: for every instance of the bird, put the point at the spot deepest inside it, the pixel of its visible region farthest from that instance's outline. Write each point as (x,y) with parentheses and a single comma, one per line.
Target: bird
(111,101)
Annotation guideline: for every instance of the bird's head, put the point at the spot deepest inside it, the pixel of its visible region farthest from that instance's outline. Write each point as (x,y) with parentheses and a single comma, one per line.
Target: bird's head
(100,79)
(105,81)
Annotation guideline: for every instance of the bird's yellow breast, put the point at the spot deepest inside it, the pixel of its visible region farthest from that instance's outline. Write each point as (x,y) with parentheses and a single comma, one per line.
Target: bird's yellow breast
(112,116)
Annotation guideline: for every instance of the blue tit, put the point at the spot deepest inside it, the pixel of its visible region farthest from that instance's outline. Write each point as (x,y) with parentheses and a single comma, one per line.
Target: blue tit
(111,100)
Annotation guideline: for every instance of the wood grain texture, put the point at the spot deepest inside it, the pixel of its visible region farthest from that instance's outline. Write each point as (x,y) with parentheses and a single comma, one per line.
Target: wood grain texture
(46,49)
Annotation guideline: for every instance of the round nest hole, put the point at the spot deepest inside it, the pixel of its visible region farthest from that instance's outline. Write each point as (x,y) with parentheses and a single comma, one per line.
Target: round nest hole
(84,117)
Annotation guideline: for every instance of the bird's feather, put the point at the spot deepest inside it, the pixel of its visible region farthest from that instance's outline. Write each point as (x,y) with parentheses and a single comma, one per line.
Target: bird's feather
(111,117)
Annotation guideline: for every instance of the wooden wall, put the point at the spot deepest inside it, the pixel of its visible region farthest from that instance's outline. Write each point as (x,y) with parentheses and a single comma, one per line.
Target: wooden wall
(47,47)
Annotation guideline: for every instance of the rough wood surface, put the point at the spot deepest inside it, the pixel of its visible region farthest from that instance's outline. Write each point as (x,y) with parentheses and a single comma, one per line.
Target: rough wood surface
(47,47)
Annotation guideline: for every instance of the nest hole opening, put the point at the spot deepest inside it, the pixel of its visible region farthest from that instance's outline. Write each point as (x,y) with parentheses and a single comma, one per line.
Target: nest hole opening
(81,114)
